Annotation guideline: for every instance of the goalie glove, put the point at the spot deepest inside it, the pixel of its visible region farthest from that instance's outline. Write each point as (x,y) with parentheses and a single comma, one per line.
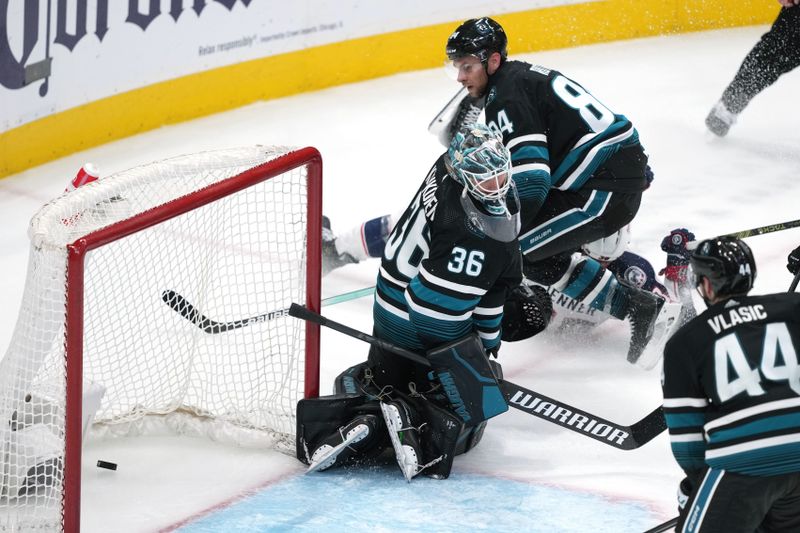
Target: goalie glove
(793,261)
(460,111)
(526,312)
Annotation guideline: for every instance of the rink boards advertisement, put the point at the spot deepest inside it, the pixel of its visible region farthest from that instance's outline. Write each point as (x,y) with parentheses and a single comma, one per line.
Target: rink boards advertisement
(80,50)
(66,66)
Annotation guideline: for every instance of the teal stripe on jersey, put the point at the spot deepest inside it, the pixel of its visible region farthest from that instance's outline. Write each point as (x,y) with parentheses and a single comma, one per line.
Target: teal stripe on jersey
(532,184)
(429,298)
(689,455)
(396,295)
(755,428)
(531,240)
(436,330)
(395,329)
(685,420)
(701,501)
(769,461)
(600,301)
(577,156)
(489,324)
(589,270)
(574,156)
(529,152)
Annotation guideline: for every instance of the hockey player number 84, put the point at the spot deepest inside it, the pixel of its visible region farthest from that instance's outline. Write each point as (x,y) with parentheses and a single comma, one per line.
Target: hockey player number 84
(597,116)
(728,353)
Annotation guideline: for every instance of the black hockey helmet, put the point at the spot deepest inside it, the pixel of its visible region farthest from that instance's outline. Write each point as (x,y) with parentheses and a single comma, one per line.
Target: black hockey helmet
(477,37)
(727,263)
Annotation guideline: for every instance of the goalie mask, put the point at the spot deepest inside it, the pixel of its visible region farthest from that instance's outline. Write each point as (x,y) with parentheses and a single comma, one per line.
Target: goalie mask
(609,248)
(478,160)
(727,263)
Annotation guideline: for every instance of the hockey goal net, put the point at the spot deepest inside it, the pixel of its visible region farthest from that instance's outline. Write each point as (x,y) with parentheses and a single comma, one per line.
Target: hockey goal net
(233,233)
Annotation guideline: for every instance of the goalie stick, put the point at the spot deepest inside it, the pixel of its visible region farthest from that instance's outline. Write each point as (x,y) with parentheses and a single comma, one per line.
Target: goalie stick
(183,307)
(462,109)
(533,403)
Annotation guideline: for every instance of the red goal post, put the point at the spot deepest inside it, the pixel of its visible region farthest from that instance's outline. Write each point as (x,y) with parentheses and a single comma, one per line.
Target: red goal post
(237,233)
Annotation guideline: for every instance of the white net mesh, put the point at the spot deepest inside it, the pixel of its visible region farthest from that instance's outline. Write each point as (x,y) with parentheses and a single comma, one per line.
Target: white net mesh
(233,258)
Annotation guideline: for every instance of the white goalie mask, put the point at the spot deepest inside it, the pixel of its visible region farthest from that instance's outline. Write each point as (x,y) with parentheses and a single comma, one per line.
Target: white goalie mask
(609,248)
(478,160)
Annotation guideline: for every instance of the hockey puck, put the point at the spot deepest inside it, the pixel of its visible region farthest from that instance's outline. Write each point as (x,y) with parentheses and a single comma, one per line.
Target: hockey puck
(107,465)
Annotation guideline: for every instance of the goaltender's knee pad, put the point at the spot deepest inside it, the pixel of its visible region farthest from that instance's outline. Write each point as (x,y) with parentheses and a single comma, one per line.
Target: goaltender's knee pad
(463,370)
(526,312)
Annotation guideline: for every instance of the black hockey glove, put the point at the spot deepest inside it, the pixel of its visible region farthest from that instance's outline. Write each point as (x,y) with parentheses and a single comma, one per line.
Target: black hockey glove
(527,312)
(793,261)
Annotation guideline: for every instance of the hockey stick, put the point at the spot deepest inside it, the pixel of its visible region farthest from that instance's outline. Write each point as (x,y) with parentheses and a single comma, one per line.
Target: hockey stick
(764,229)
(533,403)
(183,307)
(666,526)
(796,279)
(771,228)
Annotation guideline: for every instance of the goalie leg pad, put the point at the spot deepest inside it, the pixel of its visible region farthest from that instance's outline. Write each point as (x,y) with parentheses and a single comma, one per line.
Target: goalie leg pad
(340,446)
(328,420)
(354,381)
(464,372)
(441,436)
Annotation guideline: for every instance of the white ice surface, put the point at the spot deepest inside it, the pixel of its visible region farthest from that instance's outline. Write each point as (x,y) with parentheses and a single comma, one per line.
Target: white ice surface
(376,151)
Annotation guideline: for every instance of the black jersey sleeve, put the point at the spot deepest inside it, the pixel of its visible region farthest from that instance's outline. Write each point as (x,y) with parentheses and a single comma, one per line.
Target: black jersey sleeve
(515,105)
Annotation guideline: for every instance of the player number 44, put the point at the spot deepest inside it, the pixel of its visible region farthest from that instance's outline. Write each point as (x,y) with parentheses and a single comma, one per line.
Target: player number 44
(728,353)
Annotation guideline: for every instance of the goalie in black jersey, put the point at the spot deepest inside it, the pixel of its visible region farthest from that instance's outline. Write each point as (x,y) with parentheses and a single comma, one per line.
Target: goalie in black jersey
(578,167)
(732,399)
(448,268)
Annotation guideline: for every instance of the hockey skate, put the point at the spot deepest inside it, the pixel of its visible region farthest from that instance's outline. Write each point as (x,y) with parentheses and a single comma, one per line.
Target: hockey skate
(643,310)
(404,437)
(342,445)
(666,324)
(720,119)
(331,258)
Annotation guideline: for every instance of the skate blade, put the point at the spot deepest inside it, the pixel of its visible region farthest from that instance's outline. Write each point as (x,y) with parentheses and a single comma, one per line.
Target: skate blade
(333,453)
(391,424)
